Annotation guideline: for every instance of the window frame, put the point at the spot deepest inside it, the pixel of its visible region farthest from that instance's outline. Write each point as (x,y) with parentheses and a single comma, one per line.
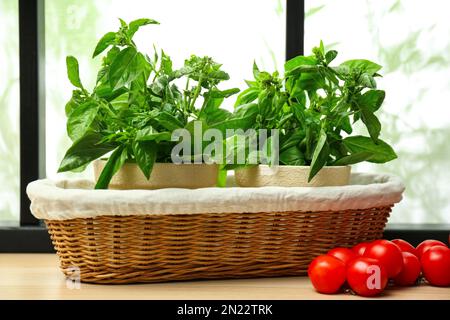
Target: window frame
(31,235)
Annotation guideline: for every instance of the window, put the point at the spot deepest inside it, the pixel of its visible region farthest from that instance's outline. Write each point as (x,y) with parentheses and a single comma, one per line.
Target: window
(9,110)
(235,34)
(410,39)
(415,56)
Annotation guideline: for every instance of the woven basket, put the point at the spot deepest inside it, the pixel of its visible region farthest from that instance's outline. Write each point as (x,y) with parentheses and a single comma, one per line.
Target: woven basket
(126,249)
(118,249)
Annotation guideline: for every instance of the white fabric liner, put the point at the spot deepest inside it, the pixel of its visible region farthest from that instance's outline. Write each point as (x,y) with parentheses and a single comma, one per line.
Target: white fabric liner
(69,199)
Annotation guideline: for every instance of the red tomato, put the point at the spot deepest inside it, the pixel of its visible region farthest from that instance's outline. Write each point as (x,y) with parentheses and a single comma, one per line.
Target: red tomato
(343,254)
(405,246)
(410,272)
(427,244)
(360,248)
(327,274)
(436,265)
(389,255)
(367,277)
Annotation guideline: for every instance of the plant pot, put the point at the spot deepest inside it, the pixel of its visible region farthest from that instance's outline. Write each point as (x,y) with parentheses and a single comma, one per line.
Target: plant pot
(164,175)
(291,176)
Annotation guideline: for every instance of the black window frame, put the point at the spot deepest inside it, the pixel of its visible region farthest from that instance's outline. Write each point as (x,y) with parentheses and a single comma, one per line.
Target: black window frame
(31,235)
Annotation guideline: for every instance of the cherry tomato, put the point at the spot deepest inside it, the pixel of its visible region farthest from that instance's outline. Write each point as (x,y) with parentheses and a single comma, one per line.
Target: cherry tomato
(389,255)
(436,265)
(343,254)
(327,274)
(360,248)
(367,277)
(427,244)
(405,246)
(410,272)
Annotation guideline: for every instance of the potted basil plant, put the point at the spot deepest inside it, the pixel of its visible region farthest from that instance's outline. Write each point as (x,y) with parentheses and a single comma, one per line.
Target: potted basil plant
(125,124)
(314,107)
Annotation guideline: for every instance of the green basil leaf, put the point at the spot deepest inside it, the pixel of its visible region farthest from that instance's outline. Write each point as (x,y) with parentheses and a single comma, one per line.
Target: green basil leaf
(166,64)
(123,24)
(86,149)
(104,91)
(215,93)
(246,110)
(367,81)
(145,154)
(372,123)
(150,134)
(136,24)
(186,70)
(290,140)
(247,96)
(218,75)
(251,84)
(362,65)
(213,99)
(255,70)
(297,92)
(114,163)
(124,68)
(265,99)
(232,147)
(143,66)
(120,104)
(80,119)
(372,99)
(70,106)
(76,100)
(320,155)
(242,121)
(73,72)
(107,40)
(101,74)
(382,152)
(353,158)
(322,48)
(292,157)
(303,69)
(298,61)
(342,71)
(346,125)
(160,84)
(299,112)
(311,133)
(168,121)
(215,115)
(330,55)
(310,81)
(111,55)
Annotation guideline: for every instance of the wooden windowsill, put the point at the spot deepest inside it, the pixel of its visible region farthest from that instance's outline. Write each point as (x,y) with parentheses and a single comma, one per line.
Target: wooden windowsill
(37,276)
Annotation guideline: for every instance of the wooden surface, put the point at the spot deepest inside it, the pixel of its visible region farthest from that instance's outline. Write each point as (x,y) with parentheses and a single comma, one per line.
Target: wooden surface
(37,276)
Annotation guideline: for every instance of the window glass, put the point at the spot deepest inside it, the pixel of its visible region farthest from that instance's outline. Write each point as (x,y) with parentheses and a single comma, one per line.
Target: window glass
(9,110)
(410,39)
(233,32)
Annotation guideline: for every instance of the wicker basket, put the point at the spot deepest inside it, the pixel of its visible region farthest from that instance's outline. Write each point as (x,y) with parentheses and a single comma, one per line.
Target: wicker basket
(127,249)
(118,249)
